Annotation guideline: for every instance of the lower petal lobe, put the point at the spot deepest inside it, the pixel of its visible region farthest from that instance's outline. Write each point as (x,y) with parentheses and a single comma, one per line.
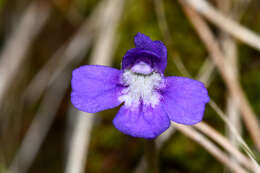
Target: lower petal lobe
(184,100)
(95,88)
(142,121)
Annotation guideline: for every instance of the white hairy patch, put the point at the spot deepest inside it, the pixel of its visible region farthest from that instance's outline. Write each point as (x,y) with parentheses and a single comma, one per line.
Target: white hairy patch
(141,87)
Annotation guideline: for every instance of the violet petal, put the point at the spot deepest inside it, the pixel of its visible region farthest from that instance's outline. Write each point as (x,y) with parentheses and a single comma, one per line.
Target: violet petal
(144,42)
(136,55)
(95,88)
(184,100)
(143,121)
(151,52)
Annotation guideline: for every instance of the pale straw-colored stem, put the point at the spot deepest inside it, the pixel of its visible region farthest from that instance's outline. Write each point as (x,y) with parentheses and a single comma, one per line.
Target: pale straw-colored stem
(225,143)
(16,48)
(236,135)
(71,53)
(40,126)
(233,85)
(207,67)
(222,115)
(229,49)
(80,141)
(102,55)
(207,144)
(225,23)
(206,72)
(211,147)
(44,117)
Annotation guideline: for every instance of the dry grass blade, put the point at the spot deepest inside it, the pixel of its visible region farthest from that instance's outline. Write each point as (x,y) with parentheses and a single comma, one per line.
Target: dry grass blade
(102,55)
(232,128)
(229,48)
(238,137)
(141,167)
(40,126)
(45,116)
(225,23)
(163,25)
(221,140)
(233,85)
(206,72)
(16,48)
(71,52)
(80,141)
(212,148)
(204,75)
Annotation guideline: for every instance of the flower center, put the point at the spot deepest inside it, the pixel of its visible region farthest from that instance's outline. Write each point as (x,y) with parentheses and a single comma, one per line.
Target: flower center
(142,86)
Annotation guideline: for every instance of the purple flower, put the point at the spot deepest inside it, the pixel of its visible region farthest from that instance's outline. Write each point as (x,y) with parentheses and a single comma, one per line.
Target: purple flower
(150,99)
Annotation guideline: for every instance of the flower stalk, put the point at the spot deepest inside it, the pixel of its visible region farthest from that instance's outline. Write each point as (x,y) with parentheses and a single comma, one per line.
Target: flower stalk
(151,156)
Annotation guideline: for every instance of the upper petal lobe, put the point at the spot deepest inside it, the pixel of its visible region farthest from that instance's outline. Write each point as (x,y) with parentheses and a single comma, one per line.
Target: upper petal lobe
(142,121)
(184,100)
(144,42)
(151,52)
(95,88)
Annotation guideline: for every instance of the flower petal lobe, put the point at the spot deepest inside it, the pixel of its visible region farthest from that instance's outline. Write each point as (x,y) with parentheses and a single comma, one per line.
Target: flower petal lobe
(95,88)
(148,51)
(184,100)
(142,122)
(144,42)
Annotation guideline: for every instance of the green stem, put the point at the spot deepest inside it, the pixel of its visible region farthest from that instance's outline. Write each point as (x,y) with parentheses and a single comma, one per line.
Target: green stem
(151,156)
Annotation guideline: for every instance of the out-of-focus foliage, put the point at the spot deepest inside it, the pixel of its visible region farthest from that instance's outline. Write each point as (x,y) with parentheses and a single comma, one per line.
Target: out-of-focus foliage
(111,151)
(2,2)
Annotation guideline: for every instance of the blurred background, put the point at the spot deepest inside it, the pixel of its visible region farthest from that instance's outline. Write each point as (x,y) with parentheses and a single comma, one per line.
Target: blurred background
(41,42)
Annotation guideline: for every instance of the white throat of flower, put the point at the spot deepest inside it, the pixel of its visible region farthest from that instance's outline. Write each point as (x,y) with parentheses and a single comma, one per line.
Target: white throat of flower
(141,86)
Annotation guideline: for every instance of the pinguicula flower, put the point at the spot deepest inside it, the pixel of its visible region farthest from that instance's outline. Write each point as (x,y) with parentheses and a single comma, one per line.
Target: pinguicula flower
(150,100)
